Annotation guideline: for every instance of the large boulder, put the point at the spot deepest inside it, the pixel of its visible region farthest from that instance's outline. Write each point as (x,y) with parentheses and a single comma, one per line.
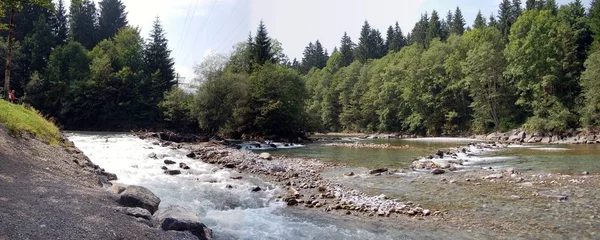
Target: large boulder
(177,218)
(138,196)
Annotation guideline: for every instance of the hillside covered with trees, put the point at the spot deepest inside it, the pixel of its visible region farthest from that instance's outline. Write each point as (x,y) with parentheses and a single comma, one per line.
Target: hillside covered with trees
(533,65)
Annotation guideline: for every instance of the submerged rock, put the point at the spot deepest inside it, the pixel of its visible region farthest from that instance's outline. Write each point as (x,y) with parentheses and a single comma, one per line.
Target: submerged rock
(184,166)
(138,196)
(191,155)
(378,170)
(180,219)
(256,189)
(172,172)
(167,161)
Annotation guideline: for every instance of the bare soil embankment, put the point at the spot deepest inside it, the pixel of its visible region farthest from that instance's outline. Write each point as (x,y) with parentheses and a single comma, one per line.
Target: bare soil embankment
(55,192)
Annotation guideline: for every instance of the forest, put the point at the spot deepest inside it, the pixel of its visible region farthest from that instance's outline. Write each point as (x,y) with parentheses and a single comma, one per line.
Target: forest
(533,65)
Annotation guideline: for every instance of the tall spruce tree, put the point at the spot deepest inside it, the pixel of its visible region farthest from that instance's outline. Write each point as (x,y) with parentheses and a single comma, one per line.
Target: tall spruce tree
(517,10)
(492,21)
(530,5)
(60,23)
(434,28)
(376,45)
(594,19)
(362,50)
(419,32)
(505,18)
(112,18)
(83,21)
(347,50)
(389,40)
(399,37)
(158,61)
(447,25)
(458,22)
(261,48)
(479,21)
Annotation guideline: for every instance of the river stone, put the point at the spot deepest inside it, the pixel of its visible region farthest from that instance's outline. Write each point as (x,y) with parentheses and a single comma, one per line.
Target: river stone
(118,188)
(137,212)
(266,156)
(437,171)
(167,161)
(138,196)
(378,170)
(191,155)
(183,165)
(180,219)
(109,176)
(493,176)
(172,172)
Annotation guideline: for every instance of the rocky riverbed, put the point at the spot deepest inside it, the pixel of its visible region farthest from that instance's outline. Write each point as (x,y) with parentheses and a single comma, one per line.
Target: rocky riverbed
(444,188)
(306,187)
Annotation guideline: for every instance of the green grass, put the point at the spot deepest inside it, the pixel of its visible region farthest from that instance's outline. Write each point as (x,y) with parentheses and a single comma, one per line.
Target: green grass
(18,120)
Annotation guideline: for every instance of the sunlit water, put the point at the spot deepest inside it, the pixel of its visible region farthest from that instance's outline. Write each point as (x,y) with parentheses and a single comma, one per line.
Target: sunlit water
(239,213)
(236,213)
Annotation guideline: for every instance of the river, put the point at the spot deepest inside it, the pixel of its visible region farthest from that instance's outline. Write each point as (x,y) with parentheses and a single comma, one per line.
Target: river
(238,213)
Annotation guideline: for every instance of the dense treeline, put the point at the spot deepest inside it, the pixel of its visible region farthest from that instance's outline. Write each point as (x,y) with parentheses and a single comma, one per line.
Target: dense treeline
(534,67)
(89,69)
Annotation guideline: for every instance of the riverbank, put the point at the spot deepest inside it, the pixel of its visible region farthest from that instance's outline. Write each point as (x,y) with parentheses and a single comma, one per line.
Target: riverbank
(474,195)
(56,192)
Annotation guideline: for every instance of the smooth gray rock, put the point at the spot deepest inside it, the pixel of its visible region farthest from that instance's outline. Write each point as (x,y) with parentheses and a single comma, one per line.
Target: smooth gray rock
(180,219)
(168,161)
(137,212)
(138,196)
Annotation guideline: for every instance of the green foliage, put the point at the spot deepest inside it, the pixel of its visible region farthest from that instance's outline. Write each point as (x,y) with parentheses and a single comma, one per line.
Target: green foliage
(347,50)
(112,18)
(277,97)
(83,23)
(158,62)
(176,108)
(479,21)
(314,57)
(261,47)
(590,82)
(542,60)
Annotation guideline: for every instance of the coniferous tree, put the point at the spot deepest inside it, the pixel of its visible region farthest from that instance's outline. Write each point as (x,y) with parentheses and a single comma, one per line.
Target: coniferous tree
(347,50)
(399,37)
(458,22)
(261,47)
(594,19)
(60,23)
(389,40)
(492,21)
(419,33)
(479,21)
(112,18)
(551,6)
(434,28)
(505,18)
(40,44)
(321,55)
(362,50)
(530,5)
(447,25)
(158,61)
(517,10)
(83,21)
(377,47)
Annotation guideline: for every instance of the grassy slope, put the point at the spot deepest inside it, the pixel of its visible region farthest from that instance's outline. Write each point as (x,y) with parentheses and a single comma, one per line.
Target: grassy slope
(19,120)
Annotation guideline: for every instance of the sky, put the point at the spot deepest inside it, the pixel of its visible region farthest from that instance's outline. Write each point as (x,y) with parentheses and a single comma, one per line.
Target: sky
(197,29)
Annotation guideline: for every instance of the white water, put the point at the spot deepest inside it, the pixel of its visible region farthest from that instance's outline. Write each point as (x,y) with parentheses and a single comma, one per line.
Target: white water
(234,213)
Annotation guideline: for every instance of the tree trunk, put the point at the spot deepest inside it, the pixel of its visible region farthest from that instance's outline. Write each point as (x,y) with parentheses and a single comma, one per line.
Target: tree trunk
(11,29)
